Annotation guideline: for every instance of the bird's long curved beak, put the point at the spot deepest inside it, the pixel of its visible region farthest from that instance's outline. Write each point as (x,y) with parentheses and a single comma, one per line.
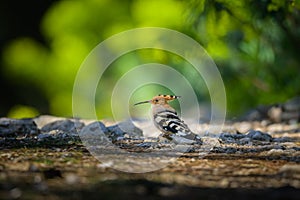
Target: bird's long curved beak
(142,102)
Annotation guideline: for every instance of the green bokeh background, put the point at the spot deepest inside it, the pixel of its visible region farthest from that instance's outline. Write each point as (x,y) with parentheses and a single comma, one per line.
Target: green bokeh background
(255,44)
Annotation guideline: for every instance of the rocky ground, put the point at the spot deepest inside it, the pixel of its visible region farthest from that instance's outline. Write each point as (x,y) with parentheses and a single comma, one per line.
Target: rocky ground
(58,158)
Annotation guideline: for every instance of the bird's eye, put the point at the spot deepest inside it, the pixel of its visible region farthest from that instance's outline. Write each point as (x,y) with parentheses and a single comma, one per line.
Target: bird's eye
(156,100)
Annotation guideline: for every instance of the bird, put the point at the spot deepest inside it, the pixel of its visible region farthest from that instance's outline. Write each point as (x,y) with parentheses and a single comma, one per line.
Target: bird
(166,120)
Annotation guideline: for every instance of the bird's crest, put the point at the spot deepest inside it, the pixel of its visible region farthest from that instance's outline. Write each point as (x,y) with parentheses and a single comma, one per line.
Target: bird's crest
(167,97)
(160,99)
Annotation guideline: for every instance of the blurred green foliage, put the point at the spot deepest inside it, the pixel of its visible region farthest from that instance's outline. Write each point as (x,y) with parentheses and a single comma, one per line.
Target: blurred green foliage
(255,44)
(21,111)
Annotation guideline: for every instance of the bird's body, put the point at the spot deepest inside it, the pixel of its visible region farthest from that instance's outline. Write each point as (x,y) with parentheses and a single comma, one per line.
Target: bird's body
(166,120)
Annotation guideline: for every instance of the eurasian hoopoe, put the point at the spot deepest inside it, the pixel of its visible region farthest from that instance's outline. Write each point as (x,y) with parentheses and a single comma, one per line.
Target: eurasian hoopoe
(165,118)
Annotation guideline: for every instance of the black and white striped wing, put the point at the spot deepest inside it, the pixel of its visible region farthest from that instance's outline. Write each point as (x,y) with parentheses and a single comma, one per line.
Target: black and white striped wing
(169,122)
(172,126)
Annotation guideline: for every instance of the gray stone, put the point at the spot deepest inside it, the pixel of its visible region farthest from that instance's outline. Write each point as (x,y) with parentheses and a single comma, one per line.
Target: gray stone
(57,137)
(122,129)
(94,128)
(231,138)
(227,150)
(245,141)
(42,136)
(94,134)
(282,112)
(227,137)
(282,139)
(68,126)
(258,135)
(293,105)
(17,127)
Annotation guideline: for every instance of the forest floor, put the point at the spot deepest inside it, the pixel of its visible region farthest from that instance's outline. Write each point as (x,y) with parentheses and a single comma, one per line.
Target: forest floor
(249,160)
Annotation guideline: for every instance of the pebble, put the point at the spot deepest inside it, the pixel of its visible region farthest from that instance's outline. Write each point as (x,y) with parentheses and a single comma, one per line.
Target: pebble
(105,164)
(243,127)
(33,168)
(290,170)
(275,152)
(15,193)
(72,179)
(282,139)
(43,136)
(245,141)
(242,139)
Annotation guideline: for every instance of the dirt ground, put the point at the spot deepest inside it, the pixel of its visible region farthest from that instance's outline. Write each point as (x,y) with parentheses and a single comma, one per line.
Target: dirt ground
(267,169)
